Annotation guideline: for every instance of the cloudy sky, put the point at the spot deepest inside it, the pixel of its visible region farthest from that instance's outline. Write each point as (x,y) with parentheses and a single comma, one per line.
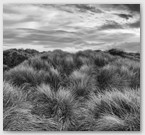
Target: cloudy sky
(71,27)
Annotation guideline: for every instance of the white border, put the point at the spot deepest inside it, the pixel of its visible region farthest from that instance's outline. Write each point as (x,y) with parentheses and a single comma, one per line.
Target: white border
(75,1)
(142,2)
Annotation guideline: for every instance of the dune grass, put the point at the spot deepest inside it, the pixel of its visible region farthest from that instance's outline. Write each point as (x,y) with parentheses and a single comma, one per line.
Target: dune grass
(60,91)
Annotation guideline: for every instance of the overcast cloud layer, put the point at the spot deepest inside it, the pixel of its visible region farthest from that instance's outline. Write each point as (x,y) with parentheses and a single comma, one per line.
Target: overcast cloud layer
(71,27)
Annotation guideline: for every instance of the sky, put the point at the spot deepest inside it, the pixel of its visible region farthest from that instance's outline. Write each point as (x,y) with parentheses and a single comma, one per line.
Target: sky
(71,27)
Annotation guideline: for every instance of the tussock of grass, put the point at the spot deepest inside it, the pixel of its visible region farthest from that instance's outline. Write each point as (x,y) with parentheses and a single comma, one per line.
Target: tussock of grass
(119,77)
(21,119)
(11,95)
(116,110)
(25,76)
(82,85)
(110,123)
(100,61)
(37,64)
(59,105)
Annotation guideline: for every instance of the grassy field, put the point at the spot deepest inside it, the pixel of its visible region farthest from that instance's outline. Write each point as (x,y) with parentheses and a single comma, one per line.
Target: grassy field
(61,91)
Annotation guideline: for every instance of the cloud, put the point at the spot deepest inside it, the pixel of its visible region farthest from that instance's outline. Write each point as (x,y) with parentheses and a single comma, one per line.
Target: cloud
(13,17)
(133,7)
(125,16)
(111,25)
(130,46)
(88,7)
(75,26)
(135,24)
(129,7)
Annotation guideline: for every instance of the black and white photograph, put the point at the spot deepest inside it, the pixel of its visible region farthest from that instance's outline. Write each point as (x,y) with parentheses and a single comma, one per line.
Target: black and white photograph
(71,67)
